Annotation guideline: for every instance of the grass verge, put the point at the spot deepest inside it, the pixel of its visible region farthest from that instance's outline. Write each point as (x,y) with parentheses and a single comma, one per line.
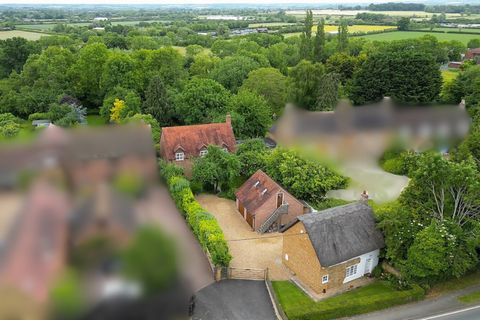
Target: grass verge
(376,296)
(469,298)
(454,284)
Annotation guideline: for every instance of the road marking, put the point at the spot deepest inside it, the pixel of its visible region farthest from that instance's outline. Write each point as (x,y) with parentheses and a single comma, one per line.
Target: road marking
(450,313)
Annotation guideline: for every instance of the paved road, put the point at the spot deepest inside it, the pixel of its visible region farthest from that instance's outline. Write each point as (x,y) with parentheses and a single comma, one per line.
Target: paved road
(470,313)
(234,300)
(434,308)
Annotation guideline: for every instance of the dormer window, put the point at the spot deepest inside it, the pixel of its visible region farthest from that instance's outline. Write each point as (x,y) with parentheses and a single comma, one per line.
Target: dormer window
(203,152)
(179,156)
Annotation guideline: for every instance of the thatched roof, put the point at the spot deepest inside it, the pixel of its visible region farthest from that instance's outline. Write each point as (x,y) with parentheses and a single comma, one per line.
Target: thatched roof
(342,233)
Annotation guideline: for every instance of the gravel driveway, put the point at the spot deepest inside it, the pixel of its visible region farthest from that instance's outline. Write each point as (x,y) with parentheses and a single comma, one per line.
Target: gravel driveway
(248,248)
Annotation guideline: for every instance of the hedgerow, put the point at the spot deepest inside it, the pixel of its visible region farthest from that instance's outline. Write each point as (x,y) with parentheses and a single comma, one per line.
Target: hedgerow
(204,225)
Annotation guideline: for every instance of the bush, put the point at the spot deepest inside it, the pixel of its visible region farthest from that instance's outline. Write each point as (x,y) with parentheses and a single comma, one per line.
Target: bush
(9,125)
(395,166)
(168,170)
(204,226)
(399,162)
(39,116)
(66,296)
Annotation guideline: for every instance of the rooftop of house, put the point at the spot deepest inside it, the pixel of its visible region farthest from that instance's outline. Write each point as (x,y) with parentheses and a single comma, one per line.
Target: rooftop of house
(381,116)
(107,206)
(257,190)
(342,233)
(191,139)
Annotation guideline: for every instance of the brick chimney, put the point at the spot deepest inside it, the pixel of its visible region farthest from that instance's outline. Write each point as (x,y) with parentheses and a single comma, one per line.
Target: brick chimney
(228,119)
(364,195)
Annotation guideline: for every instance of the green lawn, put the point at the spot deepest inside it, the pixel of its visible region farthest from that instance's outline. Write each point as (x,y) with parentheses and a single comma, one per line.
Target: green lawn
(95,120)
(469,298)
(376,296)
(400,35)
(454,29)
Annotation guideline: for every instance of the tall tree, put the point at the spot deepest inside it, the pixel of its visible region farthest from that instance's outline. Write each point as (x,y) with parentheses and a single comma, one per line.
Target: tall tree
(306,37)
(269,83)
(304,80)
(202,100)
(319,41)
(327,96)
(408,76)
(86,73)
(157,102)
(217,169)
(342,37)
(13,54)
(256,114)
(231,71)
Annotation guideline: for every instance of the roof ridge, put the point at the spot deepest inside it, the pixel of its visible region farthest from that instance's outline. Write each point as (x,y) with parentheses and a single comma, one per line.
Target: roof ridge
(196,125)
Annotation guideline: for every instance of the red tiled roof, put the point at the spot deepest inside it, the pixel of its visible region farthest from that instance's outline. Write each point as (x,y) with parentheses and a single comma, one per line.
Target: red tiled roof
(257,190)
(195,137)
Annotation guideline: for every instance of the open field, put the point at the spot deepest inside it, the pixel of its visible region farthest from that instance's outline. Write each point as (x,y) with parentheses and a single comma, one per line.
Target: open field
(351,29)
(49,26)
(269,24)
(400,35)
(466,30)
(330,12)
(24,34)
(183,50)
(357,28)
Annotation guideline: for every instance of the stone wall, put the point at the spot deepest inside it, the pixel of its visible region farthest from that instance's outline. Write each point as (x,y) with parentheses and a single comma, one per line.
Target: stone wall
(303,262)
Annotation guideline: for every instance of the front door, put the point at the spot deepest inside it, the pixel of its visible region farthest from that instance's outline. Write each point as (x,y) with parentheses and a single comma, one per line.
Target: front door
(279,199)
(368,265)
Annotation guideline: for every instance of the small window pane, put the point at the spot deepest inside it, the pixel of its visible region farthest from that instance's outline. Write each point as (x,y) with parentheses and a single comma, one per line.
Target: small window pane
(325,279)
(179,156)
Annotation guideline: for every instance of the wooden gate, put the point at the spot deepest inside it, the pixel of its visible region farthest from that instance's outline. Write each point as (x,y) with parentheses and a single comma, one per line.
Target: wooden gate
(246,274)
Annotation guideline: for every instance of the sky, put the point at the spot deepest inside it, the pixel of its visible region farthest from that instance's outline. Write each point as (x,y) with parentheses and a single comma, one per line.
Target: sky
(132,2)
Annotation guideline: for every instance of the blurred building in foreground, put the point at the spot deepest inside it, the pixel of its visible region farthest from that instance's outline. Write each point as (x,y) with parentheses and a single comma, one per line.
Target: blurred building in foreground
(58,192)
(351,132)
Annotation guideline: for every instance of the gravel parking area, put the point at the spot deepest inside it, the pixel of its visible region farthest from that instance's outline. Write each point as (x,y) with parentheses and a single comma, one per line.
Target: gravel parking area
(248,248)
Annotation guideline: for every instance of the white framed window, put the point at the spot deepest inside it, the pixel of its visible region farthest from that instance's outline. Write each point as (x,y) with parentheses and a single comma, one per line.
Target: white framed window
(203,152)
(325,279)
(351,271)
(225,149)
(179,156)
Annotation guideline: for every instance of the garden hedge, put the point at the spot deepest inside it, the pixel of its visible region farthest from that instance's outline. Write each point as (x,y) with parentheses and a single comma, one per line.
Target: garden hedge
(204,225)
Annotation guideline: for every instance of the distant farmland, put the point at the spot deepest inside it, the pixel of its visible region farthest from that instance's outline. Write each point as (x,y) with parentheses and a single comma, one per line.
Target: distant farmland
(400,35)
(23,34)
(49,26)
(351,29)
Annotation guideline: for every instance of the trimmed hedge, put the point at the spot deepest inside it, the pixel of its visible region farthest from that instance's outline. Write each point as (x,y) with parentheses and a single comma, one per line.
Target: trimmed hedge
(204,226)
(376,296)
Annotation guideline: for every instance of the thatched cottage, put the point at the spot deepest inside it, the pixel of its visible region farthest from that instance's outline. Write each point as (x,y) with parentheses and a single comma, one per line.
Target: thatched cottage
(328,250)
